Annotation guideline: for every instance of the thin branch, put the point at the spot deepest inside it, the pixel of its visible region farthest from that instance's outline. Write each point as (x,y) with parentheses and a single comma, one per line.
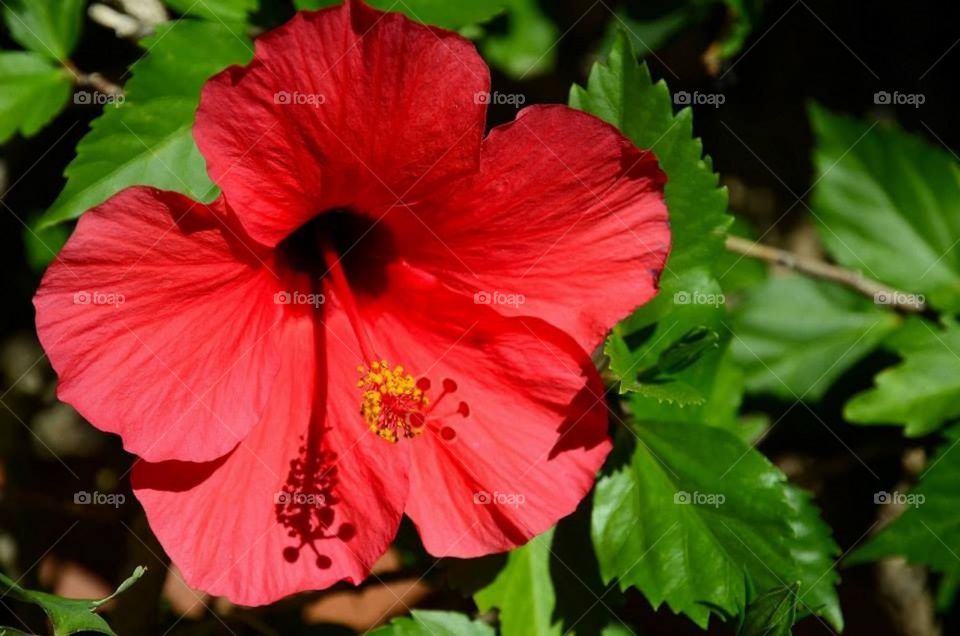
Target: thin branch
(95,81)
(880,293)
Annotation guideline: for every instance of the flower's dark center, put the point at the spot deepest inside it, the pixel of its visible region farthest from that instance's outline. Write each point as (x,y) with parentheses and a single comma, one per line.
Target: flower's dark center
(364,248)
(347,254)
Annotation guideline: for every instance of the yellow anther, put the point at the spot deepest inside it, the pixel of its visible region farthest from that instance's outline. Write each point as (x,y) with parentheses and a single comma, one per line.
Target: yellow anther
(392,405)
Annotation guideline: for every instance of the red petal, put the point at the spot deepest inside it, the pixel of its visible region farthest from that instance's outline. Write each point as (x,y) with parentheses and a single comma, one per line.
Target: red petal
(389,108)
(221,522)
(535,432)
(565,216)
(162,329)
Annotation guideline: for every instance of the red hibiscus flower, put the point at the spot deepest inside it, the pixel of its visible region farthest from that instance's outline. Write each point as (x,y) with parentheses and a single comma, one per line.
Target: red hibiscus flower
(385,313)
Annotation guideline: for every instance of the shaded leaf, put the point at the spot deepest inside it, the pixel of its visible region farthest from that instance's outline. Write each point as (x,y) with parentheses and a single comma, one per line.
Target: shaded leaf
(928,531)
(649,33)
(721,387)
(41,246)
(689,302)
(528,47)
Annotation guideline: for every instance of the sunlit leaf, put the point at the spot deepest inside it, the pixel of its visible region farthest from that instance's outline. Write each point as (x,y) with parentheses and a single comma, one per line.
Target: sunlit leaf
(32,91)
(523,591)
(48,27)
(695,518)
(148,139)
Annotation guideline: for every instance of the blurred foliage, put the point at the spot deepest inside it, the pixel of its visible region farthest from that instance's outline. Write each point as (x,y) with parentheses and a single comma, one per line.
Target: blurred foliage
(912,190)
(786,354)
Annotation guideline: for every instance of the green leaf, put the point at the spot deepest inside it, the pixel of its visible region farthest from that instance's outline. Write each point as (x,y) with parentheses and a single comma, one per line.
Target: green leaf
(32,91)
(41,246)
(229,11)
(442,13)
(647,34)
(528,48)
(795,336)
(433,623)
(744,15)
(523,591)
(48,27)
(688,302)
(772,613)
(721,385)
(928,531)
(310,5)
(622,93)
(922,392)
(685,351)
(947,590)
(695,518)
(68,616)
(148,139)
(738,273)
(887,204)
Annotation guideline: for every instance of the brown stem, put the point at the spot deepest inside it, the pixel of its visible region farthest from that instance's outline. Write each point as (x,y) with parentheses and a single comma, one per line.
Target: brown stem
(825,271)
(95,81)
